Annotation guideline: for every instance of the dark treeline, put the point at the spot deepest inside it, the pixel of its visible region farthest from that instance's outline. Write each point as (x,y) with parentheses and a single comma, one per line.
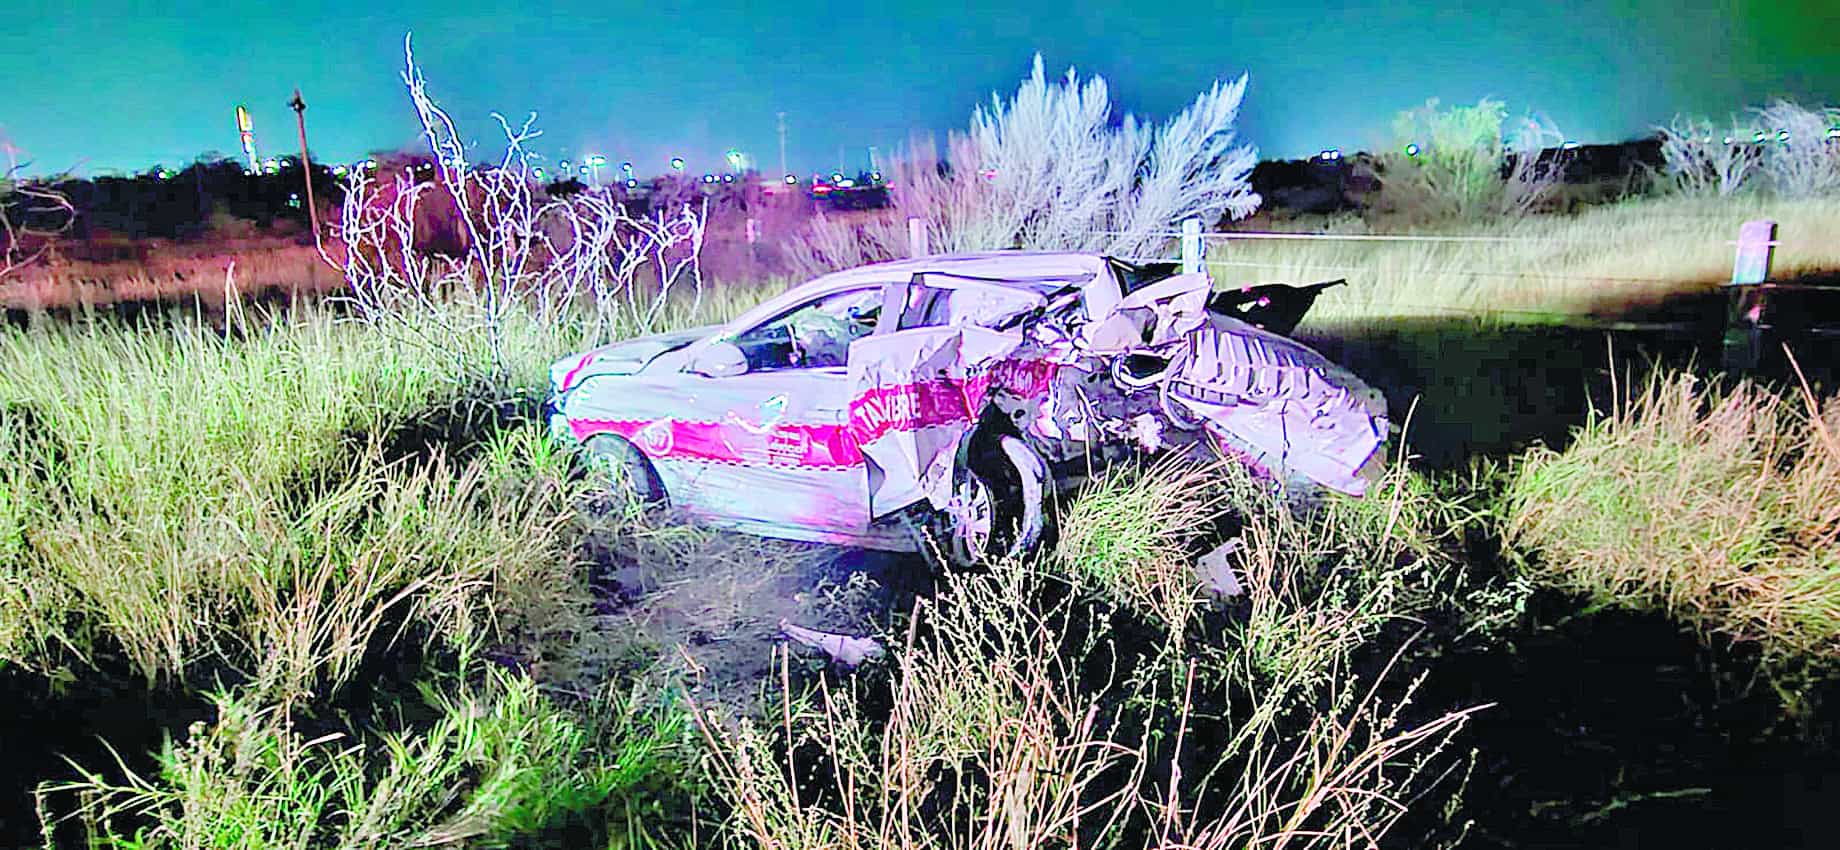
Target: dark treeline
(211,195)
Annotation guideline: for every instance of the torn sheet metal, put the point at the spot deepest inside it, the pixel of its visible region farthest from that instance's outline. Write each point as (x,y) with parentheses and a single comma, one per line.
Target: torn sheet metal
(1216,569)
(916,393)
(847,650)
(1263,398)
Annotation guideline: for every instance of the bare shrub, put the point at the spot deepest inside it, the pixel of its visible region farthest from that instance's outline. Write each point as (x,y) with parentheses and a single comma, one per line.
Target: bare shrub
(32,215)
(1800,153)
(1051,168)
(1469,162)
(1533,177)
(521,249)
(1702,160)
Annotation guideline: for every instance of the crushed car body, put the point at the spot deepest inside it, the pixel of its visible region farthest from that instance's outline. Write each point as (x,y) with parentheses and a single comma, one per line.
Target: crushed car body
(957,391)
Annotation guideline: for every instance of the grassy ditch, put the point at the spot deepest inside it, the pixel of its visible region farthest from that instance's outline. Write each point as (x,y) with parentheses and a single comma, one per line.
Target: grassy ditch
(331,617)
(1718,504)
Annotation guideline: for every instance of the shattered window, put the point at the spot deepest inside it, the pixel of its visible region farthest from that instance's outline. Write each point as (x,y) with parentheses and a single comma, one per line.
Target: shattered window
(982,306)
(814,335)
(1132,277)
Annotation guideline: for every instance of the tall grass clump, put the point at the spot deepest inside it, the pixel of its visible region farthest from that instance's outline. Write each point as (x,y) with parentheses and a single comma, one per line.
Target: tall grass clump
(1317,577)
(499,762)
(182,496)
(1012,722)
(1716,503)
(1134,534)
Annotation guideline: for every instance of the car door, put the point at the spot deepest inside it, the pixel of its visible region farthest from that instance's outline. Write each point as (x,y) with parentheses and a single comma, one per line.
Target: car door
(920,381)
(778,454)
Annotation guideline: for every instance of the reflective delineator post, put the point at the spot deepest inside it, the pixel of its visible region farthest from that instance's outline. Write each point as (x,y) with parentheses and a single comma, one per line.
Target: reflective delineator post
(1192,248)
(1750,272)
(916,237)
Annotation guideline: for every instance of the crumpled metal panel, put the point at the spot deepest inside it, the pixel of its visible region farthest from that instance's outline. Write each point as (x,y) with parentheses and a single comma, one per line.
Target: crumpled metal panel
(1297,412)
(1267,399)
(913,394)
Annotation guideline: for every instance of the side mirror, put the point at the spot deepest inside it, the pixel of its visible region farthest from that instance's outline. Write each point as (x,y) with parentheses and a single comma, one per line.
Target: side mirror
(720,360)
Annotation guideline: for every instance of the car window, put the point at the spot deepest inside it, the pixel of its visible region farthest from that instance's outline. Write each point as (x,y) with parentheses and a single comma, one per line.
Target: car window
(813,335)
(982,306)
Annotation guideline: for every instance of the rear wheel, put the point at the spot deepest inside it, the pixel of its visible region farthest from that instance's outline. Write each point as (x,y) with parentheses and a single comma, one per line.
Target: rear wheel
(617,462)
(998,505)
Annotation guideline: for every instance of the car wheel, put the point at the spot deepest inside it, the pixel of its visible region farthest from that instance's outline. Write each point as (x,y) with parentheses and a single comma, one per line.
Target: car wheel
(626,470)
(998,507)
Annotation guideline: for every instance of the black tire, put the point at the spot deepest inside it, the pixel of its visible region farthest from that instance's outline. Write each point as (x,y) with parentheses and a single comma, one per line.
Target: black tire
(626,471)
(1000,496)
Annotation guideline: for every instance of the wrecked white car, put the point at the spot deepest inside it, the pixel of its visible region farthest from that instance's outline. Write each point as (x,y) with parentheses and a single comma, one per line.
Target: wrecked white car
(953,394)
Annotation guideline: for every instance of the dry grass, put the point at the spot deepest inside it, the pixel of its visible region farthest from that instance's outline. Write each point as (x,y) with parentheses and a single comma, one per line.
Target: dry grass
(174,271)
(1133,534)
(995,739)
(1719,505)
(500,761)
(1601,260)
(1319,579)
(179,496)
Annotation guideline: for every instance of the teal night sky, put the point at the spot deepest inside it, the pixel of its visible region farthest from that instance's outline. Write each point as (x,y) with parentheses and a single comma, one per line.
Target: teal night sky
(122,86)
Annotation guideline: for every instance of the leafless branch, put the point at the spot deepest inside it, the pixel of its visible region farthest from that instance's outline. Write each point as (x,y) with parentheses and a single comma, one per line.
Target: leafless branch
(32,214)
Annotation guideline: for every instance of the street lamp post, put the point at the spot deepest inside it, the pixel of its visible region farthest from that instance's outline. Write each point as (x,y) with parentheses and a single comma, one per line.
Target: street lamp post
(594,165)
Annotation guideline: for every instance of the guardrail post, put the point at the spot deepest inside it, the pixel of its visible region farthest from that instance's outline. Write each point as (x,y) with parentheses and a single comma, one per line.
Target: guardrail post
(1746,294)
(916,237)
(1192,249)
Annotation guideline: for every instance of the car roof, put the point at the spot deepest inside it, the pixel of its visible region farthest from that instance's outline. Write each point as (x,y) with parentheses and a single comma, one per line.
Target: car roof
(1037,271)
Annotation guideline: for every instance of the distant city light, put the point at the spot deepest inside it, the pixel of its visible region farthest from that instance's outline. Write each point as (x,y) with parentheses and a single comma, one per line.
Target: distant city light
(709,178)
(792,180)
(597,160)
(1412,149)
(677,163)
(338,171)
(1782,136)
(1330,153)
(564,165)
(538,172)
(1569,145)
(846,183)
(876,176)
(1758,138)
(1834,133)
(728,178)
(631,183)
(626,167)
(370,164)
(1728,140)
(836,177)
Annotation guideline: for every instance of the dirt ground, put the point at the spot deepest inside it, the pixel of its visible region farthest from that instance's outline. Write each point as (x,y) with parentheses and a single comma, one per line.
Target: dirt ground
(704,606)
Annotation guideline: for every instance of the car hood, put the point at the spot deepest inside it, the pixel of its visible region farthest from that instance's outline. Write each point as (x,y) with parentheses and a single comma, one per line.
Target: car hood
(626,357)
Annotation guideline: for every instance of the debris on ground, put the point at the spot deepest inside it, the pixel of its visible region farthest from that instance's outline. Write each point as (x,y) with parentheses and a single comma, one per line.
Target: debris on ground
(847,650)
